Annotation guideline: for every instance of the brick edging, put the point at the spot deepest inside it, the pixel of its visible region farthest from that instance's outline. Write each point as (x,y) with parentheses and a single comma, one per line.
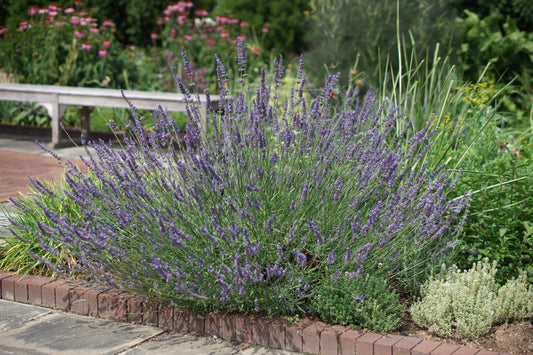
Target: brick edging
(303,336)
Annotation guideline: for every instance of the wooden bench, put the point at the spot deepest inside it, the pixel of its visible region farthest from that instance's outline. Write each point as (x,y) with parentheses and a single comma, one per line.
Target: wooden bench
(56,99)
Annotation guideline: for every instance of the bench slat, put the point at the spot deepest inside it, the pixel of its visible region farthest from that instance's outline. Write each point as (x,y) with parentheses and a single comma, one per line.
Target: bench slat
(57,98)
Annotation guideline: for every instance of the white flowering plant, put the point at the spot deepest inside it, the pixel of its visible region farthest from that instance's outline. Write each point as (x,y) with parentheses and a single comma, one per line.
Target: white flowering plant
(471,302)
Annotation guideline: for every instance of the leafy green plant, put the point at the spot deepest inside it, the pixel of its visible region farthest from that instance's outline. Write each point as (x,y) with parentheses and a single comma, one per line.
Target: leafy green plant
(345,31)
(285,21)
(471,302)
(499,223)
(365,302)
(19,253)
(29,114)
(53,45)
(496,40)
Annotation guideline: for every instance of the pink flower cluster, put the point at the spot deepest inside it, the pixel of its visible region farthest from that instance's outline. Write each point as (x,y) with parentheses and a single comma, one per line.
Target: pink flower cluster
(188,24)
(83,23)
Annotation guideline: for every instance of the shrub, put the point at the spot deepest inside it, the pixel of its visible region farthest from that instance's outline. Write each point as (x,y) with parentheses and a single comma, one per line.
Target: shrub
(278,198)
(496,40)
(285,21)
(343,32)
(364,302)
(62,46)
(471,302)
(182,26)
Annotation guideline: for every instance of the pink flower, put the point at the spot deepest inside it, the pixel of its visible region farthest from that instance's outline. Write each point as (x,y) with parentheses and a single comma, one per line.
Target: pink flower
(33,10)
(210,41)
(182,20)
(222,19)
(60,24)
(201,12)
(188,37)
(94,30)
(153,35)
(86,46)
(54,7)
(77,3)
(75,20)
(107,23)
(69,10)
(244,24)
(43,10)
(255,50)
(189,4)
(3,29)
(224,34)
(235,21)
(83,13)
(173,33)
(106,43)
(102,52)
(23,25)
(79,34)
(264,30)
(52,13)
(159,21)
(203,36)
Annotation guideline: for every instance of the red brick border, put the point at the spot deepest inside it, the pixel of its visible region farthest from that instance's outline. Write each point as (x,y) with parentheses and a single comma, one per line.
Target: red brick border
(303,336)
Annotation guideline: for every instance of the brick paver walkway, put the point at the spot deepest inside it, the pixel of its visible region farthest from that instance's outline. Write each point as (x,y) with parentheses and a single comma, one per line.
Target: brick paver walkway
(15,168)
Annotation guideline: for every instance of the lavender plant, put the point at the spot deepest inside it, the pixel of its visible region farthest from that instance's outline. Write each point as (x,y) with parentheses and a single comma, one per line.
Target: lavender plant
(280,195)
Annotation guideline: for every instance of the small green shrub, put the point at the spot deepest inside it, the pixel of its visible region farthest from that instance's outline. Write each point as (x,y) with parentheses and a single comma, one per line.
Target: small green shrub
(471,302)
(494,39)
(28,114)
(360,302)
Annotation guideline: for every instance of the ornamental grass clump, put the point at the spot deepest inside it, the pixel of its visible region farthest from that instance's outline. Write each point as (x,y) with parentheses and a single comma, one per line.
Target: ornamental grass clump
(255,210)
(471,302)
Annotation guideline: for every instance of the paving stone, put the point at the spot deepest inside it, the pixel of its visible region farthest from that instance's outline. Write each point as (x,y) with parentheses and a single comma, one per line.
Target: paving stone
(166,317)
(14,315)
(329,339)
(466,351)
(63,333)
(150,310)
(405,345)
(365,343)
(134,307)
(8,287)
(197,324)
(181,319)
(384,346)
(35,284)
(62,294)
(425,347)
(48,293)
(259,327)
(311,338)
(347,341)
(277,334)
(212,324)
(445,349)
(294,335)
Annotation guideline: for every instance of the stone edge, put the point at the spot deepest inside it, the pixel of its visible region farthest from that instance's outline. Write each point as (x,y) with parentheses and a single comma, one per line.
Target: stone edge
(303,336)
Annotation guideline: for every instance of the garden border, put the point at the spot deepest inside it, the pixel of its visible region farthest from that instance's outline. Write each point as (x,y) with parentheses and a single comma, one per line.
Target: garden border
(306,336)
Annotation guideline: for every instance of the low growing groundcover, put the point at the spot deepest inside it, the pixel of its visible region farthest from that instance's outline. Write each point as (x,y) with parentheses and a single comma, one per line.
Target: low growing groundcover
(288,205)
